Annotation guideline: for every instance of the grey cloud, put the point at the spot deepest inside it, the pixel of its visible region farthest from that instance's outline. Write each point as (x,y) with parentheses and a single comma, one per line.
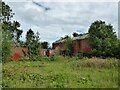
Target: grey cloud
(63,18)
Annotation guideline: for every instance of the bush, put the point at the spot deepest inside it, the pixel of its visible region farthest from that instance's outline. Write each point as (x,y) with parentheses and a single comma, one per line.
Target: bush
(53,58)
(103,39)
(6,46)
(80,55)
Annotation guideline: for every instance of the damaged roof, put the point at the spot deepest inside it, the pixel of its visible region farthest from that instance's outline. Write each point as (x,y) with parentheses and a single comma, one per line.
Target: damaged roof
(73,38)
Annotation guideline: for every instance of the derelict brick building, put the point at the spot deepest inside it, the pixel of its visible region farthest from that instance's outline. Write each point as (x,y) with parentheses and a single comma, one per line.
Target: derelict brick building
(80,44)
(18,52)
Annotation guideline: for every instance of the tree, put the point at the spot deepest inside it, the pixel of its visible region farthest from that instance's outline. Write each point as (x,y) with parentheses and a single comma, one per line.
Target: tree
(65,37)
(15,31)
(29,37)
(36,44)
(75,34)
(10,31)
(102,39)
(44,45)
(32,42)
(0,44)
(8,25)
(117,51)
(68,46)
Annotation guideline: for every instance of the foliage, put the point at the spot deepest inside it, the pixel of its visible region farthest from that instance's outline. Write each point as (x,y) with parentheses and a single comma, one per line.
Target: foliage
(10,31)
(80,55)
(102,39)
(22,43)
(8,25)
(44,45)
(62,73)
(65,37)
(75,34)
(32,42)
(68,46)
(117,51)
(0,7)
(0,44)
(6,47)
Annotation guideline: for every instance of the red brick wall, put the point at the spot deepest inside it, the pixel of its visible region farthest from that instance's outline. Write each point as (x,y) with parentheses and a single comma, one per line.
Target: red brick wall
(76,47)
(59,47)
(85,47)
(17,53)
(51,53)
(43,52)
(81,46)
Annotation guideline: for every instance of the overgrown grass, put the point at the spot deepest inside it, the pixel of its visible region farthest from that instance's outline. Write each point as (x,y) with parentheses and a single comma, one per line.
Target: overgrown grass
(61,73)
(98,63)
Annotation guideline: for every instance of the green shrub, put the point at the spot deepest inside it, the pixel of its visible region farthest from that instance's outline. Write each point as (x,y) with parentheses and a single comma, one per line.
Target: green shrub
(36,58)
(57,80)
(103,39)
(53,58)
(45,58)
(80,55)
(6,46)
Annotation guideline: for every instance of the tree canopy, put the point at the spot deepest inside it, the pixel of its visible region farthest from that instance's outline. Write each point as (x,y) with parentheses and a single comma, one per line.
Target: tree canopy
(9,25)
(103,39)
(75,34)
(32,42)
(10,31)
(44,45)
(69,46)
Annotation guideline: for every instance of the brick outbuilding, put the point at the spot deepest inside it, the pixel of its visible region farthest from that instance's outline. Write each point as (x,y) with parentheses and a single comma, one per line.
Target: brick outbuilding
(18,52)
(80,44)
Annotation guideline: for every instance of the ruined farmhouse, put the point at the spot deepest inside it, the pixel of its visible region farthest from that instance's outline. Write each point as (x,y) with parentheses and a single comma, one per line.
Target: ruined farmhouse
(80,44)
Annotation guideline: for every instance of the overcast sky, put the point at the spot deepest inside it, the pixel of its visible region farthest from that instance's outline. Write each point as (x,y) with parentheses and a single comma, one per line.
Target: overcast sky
(63,18)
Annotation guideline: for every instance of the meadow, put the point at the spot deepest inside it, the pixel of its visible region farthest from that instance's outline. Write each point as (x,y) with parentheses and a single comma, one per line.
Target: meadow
(61,72)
